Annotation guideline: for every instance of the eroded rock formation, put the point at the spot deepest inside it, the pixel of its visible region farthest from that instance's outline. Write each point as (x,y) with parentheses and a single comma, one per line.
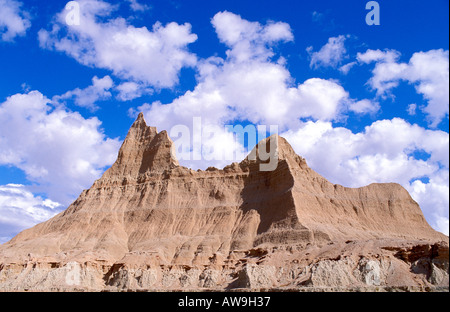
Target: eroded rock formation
(150,224)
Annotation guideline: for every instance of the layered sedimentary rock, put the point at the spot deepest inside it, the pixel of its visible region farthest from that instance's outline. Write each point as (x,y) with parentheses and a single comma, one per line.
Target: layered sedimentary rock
(150,224)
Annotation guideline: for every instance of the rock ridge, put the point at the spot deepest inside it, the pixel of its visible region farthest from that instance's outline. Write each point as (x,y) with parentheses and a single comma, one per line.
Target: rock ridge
(149,223)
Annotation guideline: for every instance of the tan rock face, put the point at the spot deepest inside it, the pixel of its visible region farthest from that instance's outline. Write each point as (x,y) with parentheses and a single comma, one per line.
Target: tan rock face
(149,223)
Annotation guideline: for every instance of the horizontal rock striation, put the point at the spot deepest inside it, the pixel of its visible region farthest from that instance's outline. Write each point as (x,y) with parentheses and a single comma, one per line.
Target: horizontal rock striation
(150,224)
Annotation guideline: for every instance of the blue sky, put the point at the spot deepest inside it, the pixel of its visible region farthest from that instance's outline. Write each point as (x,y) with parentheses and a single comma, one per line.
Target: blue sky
(361,103)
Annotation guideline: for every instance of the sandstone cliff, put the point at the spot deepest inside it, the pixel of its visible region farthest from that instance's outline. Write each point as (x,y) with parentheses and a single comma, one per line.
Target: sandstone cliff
(150,224)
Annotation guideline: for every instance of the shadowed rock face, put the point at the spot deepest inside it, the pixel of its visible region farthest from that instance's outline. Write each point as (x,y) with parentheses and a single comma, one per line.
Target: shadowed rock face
(149,223)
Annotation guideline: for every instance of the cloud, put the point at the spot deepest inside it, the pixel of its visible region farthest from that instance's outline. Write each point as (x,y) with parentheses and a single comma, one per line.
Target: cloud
(138,7)
(388,56)
(98,91)
(59,151)
(346,67)
(442,224)
(249,40)
(364,106)
(131,90)
(427,71)
(152,57)
(13,20)
(20,209)
(321,99)
(330,55)
(433,198)
(386,151)
(103,89)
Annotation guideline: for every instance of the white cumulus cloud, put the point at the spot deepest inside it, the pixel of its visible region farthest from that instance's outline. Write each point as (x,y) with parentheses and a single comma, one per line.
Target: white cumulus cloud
(249,40)
(20,209)
(330,55)
(138,7)
(13,20)
(433,198)
(98,91)
(364,106)
(427,71)
(130,90)
(154,57)
(59,150)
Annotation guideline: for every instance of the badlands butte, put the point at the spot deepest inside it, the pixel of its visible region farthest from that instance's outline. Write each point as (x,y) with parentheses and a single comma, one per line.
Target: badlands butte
(149,224)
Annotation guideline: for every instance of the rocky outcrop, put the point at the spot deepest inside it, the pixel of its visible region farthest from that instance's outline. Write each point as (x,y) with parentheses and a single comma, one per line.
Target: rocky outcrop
(150,224)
